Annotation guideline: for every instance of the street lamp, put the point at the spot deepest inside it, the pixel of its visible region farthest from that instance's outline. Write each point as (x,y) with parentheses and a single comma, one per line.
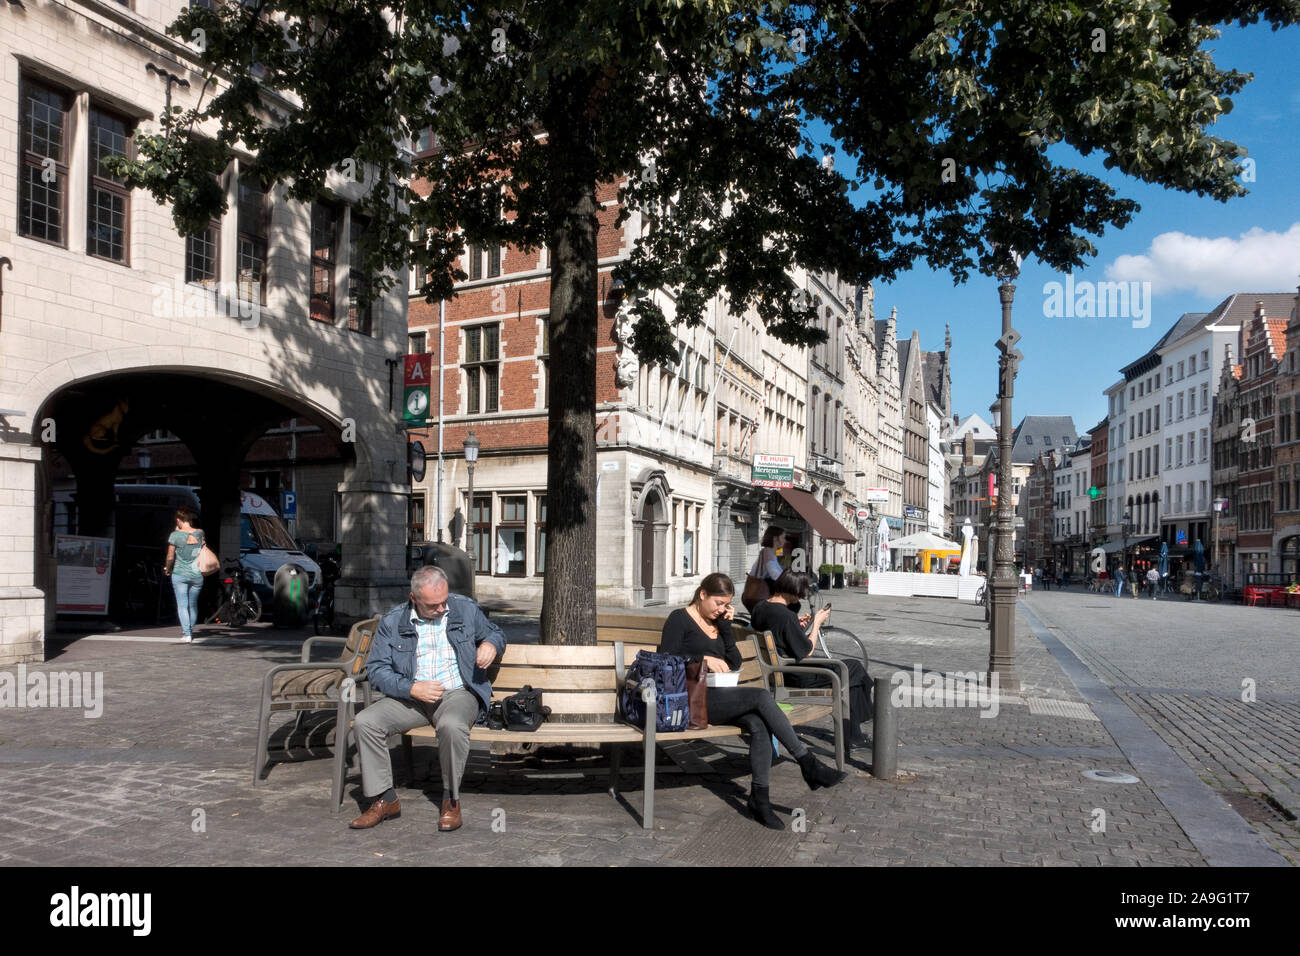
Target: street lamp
(1002,620)
(471,456)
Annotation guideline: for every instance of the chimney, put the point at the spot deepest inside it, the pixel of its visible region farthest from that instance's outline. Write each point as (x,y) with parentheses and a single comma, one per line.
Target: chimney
(1259,308)
(968,451)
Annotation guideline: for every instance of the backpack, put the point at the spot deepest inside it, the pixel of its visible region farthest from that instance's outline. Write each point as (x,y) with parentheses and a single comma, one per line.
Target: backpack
(672,704)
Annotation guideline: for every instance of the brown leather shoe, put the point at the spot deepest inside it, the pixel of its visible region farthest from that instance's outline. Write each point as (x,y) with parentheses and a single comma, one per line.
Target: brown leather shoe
(450,819)
(379,811)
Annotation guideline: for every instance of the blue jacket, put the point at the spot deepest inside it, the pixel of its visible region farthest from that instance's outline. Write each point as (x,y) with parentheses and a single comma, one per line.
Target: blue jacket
(391,664)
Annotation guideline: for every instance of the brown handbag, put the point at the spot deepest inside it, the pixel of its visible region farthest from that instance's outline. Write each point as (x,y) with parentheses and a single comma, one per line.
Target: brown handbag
(756,592)
(697,694)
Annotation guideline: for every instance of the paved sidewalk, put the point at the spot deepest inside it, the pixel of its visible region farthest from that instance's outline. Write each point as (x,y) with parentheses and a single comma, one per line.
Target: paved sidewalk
(163,777)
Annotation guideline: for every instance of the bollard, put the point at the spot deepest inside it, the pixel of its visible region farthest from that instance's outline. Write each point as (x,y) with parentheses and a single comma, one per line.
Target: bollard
(884,733)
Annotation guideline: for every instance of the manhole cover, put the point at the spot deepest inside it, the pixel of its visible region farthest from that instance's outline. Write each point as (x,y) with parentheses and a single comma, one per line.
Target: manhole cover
(1256,808)
(1110,776)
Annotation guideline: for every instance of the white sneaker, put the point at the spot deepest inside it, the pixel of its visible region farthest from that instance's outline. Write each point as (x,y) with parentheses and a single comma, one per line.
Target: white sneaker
(187,639)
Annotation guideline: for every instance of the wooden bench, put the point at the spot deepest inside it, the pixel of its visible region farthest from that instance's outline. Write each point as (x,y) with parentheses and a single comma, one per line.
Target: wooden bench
(586,681)
(310,686)
(629,627)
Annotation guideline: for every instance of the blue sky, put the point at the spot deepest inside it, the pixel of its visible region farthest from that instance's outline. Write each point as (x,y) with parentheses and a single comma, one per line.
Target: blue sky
(1197,252)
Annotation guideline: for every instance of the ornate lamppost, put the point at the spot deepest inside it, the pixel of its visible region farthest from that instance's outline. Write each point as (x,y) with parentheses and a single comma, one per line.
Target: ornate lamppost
(471,456)
(1002,620)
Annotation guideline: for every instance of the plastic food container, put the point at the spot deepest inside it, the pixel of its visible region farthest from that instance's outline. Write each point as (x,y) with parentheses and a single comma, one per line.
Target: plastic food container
(730,679)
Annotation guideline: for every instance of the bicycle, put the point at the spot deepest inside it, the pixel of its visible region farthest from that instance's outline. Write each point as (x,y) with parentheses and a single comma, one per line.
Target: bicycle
(240,605)
(982,597)
(323,614)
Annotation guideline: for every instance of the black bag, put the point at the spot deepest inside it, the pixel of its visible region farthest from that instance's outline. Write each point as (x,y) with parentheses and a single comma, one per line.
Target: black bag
(524,711)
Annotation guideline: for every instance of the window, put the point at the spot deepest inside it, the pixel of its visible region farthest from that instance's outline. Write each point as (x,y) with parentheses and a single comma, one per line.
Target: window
(482,368)
(1205,399)
(324,235)
(1029,439)
(109,207)
(43,195)
(1205,360)
(1178,446)
(477,257)
(253,217)
(202,260)
(1047,440)
(359,306)
(511,535)
(1180,371)
(480,531)
(540,563)
(544,360)
(415,343)
(1180,406)
(417,516)
(1205,444)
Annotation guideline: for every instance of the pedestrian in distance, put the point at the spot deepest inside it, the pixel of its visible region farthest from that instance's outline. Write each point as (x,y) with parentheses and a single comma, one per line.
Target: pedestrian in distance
(701,631)
(1119,582)
(1153,578)
(765,570)
(429,660)
(182,566)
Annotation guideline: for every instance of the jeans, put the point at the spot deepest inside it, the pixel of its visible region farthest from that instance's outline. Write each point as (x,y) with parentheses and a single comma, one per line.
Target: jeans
(187,601)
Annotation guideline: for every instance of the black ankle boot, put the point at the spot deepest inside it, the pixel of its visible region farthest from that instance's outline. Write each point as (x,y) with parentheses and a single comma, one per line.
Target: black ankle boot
(817,774)
(761,807)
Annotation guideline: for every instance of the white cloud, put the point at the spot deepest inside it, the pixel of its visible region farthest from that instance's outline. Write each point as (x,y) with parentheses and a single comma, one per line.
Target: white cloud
(1256,261)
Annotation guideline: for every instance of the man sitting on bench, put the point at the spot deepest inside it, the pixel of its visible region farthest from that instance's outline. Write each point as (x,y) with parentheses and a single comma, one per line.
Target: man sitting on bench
(429,660)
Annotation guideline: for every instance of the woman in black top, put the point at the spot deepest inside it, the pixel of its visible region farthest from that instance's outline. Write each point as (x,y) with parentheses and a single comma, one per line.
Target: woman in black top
(776,615)
(702,631)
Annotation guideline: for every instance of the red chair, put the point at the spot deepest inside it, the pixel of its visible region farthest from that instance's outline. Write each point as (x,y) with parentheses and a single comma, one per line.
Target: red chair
(1251,596)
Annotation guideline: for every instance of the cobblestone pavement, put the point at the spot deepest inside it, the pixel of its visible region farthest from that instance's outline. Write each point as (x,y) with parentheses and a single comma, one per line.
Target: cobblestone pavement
(164,776)
(1219,683)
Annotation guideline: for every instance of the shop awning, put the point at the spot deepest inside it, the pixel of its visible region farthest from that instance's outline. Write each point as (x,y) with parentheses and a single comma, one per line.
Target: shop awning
(821,520)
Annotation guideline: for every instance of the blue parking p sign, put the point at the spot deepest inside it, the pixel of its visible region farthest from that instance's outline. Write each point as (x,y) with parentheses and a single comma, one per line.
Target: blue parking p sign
(289,504)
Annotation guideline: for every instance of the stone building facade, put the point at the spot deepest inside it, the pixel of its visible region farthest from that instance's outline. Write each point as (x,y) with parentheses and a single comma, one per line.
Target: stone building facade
(116,327)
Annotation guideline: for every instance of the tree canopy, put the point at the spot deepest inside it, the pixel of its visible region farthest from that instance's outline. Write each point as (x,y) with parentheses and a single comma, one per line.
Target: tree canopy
(955,114)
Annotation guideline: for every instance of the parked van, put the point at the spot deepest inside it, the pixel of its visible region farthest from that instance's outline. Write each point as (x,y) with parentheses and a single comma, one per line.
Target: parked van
(265,546)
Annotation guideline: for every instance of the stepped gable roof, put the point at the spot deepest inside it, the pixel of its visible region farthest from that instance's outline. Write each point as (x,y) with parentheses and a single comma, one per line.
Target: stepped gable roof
(1038,433)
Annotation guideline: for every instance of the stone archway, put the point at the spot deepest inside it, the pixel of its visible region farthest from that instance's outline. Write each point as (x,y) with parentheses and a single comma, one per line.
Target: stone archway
(218,414)
(651,494)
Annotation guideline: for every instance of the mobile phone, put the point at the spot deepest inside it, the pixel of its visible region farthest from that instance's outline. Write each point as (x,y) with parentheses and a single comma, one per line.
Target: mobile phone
(827,607)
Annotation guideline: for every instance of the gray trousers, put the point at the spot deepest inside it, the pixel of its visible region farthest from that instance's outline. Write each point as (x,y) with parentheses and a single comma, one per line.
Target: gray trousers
(453,716)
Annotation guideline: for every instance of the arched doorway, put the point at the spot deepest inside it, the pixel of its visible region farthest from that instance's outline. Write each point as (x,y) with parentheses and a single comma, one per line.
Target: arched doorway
(651,495)
(177,429)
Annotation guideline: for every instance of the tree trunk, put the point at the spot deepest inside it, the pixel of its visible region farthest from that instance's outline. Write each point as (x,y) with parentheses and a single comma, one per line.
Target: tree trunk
(569,587)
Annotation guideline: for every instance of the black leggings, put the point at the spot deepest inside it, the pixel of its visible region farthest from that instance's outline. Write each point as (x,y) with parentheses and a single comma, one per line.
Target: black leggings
(754,711)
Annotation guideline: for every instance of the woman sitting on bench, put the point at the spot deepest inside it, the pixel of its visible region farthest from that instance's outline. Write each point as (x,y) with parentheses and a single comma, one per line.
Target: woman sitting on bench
(702,631)
(792,641)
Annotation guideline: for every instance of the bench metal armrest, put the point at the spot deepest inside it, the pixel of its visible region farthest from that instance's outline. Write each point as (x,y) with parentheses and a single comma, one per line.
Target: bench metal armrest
(308,644)
(836,684)
(343,667)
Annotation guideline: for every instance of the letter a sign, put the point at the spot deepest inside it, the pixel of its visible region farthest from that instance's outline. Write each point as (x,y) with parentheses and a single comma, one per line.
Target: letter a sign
(415,397)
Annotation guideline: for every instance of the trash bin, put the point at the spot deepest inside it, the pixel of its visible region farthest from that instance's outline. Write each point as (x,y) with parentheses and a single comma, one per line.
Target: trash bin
(290,597)
(453,561)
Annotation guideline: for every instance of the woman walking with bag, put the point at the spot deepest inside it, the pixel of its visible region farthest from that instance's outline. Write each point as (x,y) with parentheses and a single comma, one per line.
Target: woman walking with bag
(767,568)
(182,566)
(702,631)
